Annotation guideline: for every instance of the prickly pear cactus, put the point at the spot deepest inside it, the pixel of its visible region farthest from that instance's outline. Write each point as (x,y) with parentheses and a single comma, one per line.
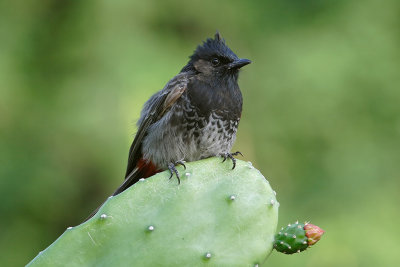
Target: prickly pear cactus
(216,217)
(297,237)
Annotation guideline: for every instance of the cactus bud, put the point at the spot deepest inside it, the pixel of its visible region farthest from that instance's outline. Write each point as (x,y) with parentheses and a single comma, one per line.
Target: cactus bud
(297,237)
(313,233)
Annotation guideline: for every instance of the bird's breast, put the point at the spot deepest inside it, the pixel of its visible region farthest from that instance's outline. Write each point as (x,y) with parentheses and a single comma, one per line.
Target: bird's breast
(225,99)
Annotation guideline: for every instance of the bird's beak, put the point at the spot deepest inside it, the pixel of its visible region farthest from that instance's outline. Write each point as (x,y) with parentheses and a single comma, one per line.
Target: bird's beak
(238,63)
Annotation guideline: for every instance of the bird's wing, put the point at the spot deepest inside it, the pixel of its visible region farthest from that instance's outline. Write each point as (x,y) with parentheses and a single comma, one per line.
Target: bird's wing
(153,110)
(156,107)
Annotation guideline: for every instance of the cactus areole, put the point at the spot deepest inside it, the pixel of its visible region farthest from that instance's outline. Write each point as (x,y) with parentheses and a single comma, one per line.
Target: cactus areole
(216,217)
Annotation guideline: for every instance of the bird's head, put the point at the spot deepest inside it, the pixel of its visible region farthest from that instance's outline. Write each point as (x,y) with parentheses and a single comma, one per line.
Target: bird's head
(214,57)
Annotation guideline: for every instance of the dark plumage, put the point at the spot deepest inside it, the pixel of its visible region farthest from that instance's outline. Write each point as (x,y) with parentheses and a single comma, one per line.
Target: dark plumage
(194,116)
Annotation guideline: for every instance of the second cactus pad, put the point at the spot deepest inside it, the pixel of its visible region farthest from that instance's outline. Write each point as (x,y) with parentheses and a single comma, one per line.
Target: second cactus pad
(216,217)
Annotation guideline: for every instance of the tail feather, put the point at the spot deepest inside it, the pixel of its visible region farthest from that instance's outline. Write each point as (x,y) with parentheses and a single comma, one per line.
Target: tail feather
(132,178)
(143,169)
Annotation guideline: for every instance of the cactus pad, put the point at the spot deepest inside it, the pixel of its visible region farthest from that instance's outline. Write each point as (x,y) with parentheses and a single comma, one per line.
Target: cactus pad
(215,217)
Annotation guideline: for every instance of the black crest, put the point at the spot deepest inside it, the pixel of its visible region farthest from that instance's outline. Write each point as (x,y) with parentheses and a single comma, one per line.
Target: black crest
(213,48)
(218,37)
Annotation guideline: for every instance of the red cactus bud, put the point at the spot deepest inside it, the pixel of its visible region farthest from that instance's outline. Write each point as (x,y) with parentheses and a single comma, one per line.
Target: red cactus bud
(313,233)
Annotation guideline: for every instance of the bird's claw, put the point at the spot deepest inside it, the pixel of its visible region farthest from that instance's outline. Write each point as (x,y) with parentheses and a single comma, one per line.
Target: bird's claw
(181,162)
(173,170)
(230,156)
(237,153)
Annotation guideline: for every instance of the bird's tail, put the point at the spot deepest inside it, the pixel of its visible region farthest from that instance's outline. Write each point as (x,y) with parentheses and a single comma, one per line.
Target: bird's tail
(143,169)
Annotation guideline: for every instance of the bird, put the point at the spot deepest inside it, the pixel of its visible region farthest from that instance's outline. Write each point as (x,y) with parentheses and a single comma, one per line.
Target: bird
(195,116)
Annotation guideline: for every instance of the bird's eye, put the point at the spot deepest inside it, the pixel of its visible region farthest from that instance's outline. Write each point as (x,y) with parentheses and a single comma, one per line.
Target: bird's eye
(215,61)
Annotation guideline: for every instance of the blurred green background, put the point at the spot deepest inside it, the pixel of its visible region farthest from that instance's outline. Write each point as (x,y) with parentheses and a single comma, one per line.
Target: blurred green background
(321,111)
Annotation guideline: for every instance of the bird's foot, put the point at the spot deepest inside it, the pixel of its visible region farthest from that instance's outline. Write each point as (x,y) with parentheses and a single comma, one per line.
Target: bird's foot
(173,170)
(231,156)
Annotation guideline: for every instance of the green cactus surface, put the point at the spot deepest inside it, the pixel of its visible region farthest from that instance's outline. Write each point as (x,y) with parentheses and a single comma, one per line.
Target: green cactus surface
(291,239)
(297,237)
(215,217)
